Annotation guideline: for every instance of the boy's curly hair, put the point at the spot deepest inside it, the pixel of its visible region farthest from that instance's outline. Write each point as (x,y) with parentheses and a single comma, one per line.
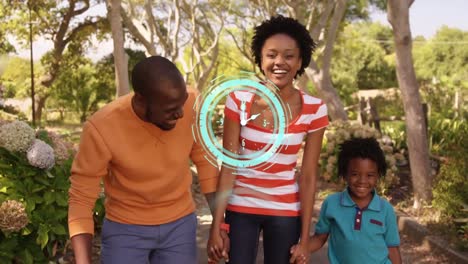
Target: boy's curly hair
(284,25)
(364,148)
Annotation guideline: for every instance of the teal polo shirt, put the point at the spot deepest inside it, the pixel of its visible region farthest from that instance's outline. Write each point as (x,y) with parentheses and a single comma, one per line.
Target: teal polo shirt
(358,236)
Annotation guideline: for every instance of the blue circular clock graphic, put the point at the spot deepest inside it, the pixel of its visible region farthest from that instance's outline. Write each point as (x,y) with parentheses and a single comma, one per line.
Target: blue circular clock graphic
(209,101)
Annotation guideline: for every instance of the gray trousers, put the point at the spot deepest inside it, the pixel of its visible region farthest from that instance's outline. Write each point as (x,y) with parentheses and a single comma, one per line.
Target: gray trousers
(169,243)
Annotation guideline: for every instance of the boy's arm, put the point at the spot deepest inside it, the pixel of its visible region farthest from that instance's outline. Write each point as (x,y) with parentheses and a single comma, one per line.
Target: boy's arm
(391,235)
(317,241)
(322,229)
(394,255)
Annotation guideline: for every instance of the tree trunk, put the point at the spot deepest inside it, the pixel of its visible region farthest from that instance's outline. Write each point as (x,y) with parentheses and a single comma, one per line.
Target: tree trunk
(321,76)
(398,16)
(40,104)
(327,92)
(120,58)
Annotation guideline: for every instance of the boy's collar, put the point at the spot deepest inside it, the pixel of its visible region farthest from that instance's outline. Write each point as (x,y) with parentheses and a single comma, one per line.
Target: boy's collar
(374,205)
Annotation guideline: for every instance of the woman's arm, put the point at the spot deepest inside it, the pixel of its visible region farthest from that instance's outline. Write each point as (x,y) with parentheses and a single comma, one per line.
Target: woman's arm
(227,177)
(225,186)
(308,179)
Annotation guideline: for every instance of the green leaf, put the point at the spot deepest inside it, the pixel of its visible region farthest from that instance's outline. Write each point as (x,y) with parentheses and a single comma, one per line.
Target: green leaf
(43,181)
(59,230)
(27,257)
(49,197)
(26,231)
(42,236)
(38,189)
(50,175)
(30,206)
(8,244)
(61,199)
(4,166)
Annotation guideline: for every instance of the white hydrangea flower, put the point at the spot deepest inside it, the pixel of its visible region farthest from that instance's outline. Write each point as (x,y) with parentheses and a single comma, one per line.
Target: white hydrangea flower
(390,162)
(399,156)
(16,136)
(330,147)
(387,148)
(41,155)
(358,134)
(62,149)
(330,168)
(13,216)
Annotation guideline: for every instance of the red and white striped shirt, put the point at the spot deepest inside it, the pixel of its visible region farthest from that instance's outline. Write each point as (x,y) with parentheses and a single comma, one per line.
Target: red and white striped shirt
(270,188)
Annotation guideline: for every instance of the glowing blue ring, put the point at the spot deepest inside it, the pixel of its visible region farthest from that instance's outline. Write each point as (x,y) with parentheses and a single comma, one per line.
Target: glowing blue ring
(210,131)
(224,87)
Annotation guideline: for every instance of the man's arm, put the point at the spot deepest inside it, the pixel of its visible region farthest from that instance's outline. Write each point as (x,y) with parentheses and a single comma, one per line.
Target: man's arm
(82,247)
(89,166)
(207,173)
(211,199)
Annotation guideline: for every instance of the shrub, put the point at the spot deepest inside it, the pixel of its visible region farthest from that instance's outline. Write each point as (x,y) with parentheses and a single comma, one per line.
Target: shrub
(340,131)
(34,200)
(448,139)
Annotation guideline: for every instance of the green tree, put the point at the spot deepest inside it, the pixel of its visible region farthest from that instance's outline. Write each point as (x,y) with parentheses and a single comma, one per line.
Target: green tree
(362,59)
(16,77)
(105,66)
(80,88)
(5,46)
(442,69)
(63,22)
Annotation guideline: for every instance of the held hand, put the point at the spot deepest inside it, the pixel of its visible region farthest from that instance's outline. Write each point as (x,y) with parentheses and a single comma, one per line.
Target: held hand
(299,254)
(215,247)
(227,245)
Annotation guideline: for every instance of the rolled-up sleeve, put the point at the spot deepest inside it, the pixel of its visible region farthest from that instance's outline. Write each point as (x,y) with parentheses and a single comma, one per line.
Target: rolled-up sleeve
(207,168)
(89,167)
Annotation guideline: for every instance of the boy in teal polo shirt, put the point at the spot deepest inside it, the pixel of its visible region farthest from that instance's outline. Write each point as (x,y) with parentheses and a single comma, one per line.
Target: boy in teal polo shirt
(360,225)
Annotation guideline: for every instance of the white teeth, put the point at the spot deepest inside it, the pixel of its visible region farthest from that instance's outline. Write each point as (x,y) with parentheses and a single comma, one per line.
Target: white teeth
(279,71)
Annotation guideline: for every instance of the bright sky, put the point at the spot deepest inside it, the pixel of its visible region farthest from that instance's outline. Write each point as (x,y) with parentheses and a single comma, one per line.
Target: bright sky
(426,17)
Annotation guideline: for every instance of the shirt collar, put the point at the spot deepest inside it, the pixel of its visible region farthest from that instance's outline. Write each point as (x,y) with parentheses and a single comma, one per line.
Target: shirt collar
(346,200)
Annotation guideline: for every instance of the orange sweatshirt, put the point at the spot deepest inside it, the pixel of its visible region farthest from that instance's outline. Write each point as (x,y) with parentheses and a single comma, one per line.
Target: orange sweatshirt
(145,170)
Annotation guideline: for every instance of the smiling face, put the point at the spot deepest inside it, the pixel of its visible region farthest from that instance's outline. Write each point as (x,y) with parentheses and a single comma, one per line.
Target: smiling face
(362,177)
(280,60)
(165,107)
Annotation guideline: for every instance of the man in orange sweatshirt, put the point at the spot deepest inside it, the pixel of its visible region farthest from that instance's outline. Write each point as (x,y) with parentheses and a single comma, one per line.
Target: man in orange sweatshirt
(140,146)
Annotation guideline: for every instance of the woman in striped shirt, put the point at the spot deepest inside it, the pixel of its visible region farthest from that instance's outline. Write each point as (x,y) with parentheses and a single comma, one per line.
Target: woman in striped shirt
(269,198)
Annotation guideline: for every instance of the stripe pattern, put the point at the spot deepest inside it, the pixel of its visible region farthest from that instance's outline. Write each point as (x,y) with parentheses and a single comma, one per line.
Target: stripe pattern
(271,188)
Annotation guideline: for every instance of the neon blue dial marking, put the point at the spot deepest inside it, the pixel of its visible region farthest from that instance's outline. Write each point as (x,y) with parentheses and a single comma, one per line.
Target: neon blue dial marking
(213,97)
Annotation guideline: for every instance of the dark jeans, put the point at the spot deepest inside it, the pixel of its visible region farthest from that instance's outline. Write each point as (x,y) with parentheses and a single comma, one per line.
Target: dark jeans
(279,234)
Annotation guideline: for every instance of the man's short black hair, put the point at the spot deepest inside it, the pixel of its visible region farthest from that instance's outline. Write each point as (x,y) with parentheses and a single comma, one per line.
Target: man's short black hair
(283,25)
(364,148)
(151,72)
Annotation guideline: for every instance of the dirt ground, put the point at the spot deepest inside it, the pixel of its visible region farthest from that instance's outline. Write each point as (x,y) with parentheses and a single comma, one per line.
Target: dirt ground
(412,252)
